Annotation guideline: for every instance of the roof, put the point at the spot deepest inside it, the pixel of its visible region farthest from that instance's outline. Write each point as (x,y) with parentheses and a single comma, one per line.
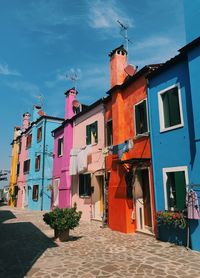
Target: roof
(144,71)
(86,109)
(190,45)
(37,121)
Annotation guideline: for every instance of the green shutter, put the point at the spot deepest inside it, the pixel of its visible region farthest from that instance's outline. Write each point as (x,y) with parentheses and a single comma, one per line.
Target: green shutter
(87,184)
(81,185)
(88,134)
(174,107)
(144,116)
(165,100)
(180,186)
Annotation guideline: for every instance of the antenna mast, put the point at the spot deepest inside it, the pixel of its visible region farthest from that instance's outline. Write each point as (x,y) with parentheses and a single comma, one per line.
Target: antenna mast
(73,76)
(124,28)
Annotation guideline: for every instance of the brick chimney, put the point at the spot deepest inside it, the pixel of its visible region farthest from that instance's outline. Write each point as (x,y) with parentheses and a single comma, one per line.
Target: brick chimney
(26,121)
(70,97)
(118,62)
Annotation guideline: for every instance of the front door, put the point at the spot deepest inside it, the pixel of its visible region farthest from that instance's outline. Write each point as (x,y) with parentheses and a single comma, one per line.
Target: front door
(142,198)
(97,198)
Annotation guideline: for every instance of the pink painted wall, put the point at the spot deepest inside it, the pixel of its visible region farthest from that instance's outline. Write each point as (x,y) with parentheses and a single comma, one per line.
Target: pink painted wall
(95,158)
(61,164)
(21,180)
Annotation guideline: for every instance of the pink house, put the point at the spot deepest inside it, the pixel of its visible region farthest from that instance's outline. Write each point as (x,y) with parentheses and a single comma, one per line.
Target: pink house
(23,157)
(87,162)
(63,139)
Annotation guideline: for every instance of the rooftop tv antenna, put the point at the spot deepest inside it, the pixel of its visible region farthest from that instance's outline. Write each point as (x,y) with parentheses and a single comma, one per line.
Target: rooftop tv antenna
(124,33)
(40,100)
(73,75)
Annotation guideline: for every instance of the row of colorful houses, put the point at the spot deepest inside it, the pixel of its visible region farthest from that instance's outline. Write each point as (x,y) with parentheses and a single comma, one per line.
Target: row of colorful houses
(125,157)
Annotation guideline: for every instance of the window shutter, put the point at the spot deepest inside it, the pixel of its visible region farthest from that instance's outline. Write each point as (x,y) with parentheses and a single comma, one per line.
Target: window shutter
(88,134)
(81,185)
(174,107)
(166,109)
(144,118)
(88,184)
(109,133)
(180,190)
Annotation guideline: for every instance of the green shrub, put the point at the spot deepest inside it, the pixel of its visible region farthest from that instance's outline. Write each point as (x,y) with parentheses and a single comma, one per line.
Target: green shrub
(63,219)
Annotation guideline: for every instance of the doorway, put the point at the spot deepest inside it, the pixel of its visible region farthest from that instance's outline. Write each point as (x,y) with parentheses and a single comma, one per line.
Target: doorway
(98,198)
(142,197)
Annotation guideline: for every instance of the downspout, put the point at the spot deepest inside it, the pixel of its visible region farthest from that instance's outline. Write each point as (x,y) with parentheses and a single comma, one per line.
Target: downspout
(43,162)
(104,218)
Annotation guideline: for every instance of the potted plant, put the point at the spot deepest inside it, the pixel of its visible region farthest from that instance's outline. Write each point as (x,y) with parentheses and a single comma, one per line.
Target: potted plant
(171,227)
(63,220)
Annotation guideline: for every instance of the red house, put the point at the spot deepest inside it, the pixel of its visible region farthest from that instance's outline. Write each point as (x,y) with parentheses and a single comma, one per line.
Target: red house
(131,204)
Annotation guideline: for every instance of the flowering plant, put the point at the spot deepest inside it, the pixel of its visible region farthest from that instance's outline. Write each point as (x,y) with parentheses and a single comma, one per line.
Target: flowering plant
(175,218)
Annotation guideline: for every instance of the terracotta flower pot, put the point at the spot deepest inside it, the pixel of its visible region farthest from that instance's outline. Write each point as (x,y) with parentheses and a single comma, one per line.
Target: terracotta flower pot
(62,236)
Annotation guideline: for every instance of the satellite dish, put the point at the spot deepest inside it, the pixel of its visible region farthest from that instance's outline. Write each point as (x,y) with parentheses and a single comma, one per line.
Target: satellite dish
(130,70)
(76,106)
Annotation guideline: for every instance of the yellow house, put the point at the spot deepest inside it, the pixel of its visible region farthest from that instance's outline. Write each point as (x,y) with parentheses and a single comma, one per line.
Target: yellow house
(13,168)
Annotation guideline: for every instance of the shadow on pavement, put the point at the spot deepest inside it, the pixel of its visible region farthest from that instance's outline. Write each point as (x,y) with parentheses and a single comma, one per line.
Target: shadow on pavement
(6,215)
(21,244)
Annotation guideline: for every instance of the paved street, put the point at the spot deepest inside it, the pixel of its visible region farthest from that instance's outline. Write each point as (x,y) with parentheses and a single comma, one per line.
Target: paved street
(27,250)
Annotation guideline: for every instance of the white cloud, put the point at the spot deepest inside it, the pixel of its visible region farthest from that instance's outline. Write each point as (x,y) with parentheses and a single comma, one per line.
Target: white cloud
(104,15)
(5,70)
(152,42)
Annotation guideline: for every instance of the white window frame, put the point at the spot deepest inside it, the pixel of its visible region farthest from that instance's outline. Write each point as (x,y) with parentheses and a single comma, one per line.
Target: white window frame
(169,170)
(161,112)
(145,133)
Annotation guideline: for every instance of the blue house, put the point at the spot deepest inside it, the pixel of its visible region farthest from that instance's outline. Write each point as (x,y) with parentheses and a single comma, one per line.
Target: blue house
(174,116)
(40,157)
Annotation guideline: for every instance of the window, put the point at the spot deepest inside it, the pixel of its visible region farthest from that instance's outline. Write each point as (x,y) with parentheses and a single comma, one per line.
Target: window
(26,166)
(18,168)
(141,125)
(28,141)
(37,163)
(109,133)
(92,133)
(39,134)
(56,192)
(35,192)
(170,108)
(60,146)
(175,188)
(84,185)
(20,147)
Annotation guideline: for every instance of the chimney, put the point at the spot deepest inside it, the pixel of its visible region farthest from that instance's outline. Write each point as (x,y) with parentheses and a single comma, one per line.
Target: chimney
(26,120)
(17,131)
(70,97)
(118,62)
(37,112)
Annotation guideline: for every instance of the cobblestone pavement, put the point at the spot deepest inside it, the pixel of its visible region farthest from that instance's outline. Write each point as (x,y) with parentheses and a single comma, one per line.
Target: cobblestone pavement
(27,250)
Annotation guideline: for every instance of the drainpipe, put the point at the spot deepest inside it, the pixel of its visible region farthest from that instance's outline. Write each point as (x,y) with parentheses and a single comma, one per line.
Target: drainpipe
(43,162)
(104,220)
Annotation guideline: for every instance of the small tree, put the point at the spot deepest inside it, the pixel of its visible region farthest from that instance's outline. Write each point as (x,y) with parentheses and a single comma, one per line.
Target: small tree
(63,220)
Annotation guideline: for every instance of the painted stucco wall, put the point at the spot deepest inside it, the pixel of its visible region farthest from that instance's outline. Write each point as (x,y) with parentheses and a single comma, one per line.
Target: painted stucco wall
(120,109)
(178,147)
(21,179)
(95,158)
(36,177)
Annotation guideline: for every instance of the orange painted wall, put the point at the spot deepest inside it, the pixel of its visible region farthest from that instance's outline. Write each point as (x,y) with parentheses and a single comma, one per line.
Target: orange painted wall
(120,109)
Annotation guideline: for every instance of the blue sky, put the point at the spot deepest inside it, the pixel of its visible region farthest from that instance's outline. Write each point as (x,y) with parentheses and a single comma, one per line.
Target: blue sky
(43,40)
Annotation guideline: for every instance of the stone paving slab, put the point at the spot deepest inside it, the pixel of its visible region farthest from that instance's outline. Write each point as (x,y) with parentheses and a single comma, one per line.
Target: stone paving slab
(90,252)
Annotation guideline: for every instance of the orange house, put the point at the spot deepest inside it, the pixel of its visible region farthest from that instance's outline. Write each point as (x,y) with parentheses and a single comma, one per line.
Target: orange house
(131,205)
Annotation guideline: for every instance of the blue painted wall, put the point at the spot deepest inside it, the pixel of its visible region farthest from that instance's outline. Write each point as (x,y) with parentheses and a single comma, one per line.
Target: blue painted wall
(177,147)
(192,19)
(36,177)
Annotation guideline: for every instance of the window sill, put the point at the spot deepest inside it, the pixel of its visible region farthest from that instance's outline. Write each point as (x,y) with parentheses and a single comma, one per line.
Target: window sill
(37,170)
(60,155)
(84,196)
(145,134)
(38,141)
(171,128)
